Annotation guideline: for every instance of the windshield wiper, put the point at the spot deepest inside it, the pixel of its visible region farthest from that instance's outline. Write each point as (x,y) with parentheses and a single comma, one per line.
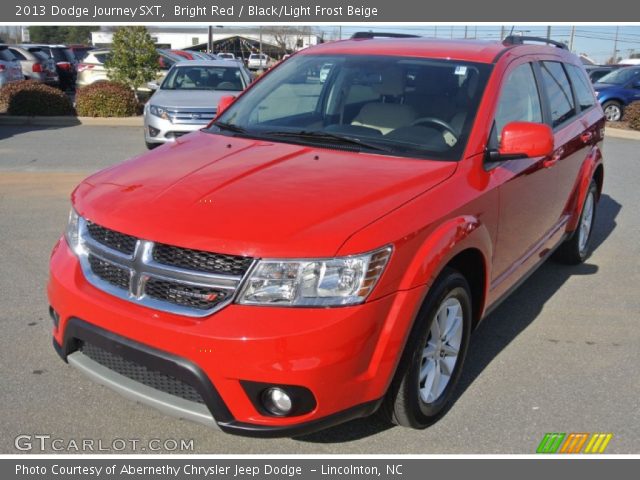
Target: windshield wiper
(230,127)
(329,136)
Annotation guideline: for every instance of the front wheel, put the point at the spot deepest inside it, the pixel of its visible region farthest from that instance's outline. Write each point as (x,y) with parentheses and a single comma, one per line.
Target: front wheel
(430,367)
(577,248)
(612,111)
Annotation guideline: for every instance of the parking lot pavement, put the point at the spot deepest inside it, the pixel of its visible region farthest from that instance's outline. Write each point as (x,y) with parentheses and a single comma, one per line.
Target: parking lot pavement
(561,355)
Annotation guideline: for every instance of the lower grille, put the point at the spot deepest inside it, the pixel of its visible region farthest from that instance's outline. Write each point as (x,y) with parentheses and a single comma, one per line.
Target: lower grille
(110,273)
(141,374)
(201,298)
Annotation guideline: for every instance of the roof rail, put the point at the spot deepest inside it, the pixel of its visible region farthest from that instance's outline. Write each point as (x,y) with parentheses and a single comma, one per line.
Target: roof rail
(382,35)
(519,40)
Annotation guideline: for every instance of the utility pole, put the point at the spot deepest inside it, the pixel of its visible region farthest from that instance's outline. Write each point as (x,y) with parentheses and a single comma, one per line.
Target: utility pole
(210,41)
(340,32)
(614,57)
(549,32)
(435,32)
(260,47)
(451,31)
(573,34)
(501,32)
(465,31)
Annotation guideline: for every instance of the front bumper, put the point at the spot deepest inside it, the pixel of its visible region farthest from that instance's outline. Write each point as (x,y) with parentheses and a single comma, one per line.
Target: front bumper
(345,356)
(158,130)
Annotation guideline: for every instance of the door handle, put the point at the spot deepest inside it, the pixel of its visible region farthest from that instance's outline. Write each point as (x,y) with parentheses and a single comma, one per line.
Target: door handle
(586,137)
(553,159)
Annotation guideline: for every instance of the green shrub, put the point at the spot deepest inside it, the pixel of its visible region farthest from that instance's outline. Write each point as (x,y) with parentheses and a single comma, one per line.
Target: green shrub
(632,115)
(106,99)
(31,98)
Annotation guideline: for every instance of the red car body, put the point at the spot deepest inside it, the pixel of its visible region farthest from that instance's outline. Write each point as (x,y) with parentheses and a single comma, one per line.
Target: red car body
(257,198)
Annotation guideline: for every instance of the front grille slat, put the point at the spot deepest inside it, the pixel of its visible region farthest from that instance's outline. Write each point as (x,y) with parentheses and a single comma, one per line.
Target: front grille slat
(160,276)
(201,261)
(140,373)
(116,276)
(112,239)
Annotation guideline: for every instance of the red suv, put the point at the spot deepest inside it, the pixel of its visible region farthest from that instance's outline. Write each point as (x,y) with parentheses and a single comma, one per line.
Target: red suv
(326,246)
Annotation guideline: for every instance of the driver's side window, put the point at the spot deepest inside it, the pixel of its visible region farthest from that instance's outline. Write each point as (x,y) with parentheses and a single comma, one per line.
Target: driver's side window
(519,101)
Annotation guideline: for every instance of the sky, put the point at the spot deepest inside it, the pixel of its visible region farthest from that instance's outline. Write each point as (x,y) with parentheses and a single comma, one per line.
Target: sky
(595,41)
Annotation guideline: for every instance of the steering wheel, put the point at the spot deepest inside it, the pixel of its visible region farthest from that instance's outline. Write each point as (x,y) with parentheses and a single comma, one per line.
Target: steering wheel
(437,122)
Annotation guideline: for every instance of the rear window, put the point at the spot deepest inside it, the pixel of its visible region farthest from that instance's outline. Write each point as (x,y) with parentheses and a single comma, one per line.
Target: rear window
(102,57)
(42,56)
(18,55)
(558,91)
(58,55)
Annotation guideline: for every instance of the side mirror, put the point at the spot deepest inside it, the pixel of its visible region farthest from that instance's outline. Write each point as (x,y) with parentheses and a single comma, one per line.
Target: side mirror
(153,85)
(224,103)
(636,84)
(524,140)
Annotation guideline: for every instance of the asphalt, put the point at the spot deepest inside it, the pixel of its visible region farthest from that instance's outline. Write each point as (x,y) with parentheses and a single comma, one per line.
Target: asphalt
(560,355)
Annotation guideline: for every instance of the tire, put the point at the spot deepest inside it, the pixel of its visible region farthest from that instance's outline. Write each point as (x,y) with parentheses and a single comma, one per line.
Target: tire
(612,111)
(151,146)
(410,402)
(577,248)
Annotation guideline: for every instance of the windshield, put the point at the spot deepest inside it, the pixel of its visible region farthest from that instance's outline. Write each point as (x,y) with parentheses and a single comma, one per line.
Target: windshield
(400,106)
(204,78)
(620,77)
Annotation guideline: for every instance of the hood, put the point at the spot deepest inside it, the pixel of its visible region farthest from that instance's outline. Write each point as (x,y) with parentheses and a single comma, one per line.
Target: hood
(252,197)
(601,87)
(184,99)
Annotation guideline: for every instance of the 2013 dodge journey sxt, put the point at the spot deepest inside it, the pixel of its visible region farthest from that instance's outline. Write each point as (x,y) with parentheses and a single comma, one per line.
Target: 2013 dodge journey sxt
(325,247)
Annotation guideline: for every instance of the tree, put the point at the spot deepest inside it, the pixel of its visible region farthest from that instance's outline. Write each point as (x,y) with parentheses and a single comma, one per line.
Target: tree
(134,59)
(80,35)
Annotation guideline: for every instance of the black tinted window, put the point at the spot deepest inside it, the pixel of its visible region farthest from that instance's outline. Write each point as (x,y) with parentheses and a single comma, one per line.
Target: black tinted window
(558,91)
(582,86)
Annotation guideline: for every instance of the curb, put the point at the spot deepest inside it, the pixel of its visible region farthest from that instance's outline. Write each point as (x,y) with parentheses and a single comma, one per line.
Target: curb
(72,121)
(621,133)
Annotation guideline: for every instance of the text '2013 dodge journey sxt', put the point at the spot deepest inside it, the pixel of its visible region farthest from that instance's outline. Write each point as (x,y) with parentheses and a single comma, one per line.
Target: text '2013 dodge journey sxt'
(325,247)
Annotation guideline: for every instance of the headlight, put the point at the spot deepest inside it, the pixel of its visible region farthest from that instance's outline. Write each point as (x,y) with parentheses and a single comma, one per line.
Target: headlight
(72,233)
(159,112)
(315,282)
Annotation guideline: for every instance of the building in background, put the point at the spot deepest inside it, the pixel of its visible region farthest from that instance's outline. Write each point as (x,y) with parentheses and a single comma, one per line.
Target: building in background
(276,40)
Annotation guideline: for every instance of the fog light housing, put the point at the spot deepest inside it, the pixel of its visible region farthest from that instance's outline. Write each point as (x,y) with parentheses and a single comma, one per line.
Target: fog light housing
(153,132)
(277,401)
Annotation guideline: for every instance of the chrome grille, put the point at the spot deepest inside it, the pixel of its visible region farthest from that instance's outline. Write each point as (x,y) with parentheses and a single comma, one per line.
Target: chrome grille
(178,280)
(192,116)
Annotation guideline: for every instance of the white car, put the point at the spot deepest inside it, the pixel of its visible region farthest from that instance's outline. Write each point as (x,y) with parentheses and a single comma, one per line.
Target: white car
(226,56)
(259,61)
(188,98)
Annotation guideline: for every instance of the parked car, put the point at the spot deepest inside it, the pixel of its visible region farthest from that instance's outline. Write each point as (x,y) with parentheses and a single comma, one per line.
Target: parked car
(618,89)
(93,69)
(596,72)
(80,51)
(259,61)
(226,56)
(10,70)
(36,64)
(184,54)
(187,99)
(324,250)
(66,64)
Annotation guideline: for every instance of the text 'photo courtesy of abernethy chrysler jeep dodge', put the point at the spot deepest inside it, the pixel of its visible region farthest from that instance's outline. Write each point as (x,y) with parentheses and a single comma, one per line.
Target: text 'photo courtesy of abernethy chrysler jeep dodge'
(324,248)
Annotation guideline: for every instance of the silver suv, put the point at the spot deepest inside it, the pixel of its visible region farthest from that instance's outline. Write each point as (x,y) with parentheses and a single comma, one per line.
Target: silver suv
(188,97)
(36,64)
